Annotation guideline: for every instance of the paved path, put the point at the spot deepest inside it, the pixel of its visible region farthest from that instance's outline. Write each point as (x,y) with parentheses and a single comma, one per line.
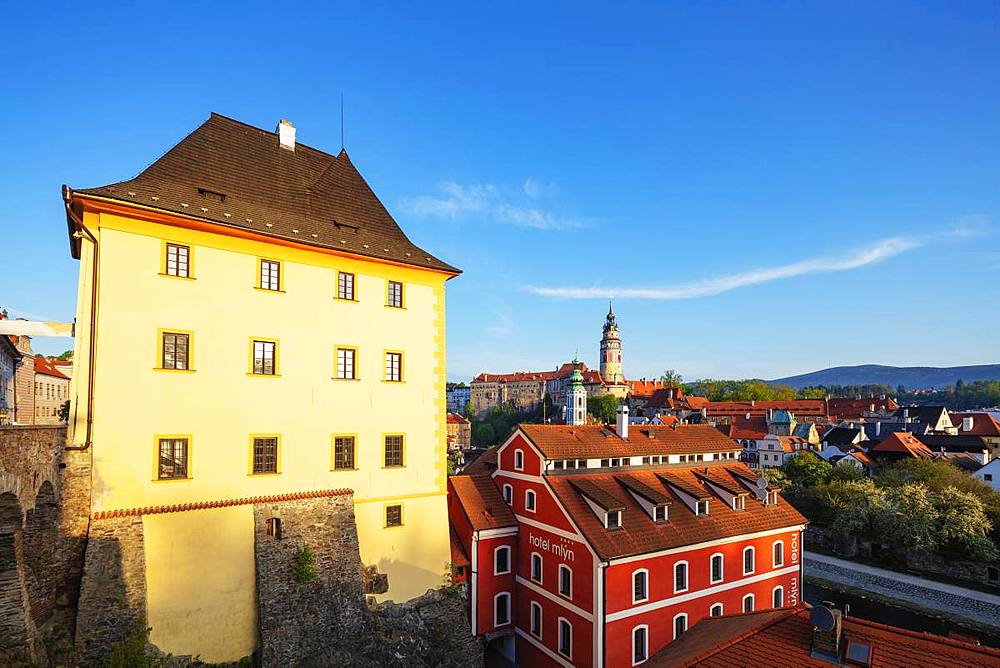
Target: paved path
(969,604)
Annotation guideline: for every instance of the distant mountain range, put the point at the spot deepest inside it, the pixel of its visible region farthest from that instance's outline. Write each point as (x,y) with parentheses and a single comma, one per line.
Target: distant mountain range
(911,377)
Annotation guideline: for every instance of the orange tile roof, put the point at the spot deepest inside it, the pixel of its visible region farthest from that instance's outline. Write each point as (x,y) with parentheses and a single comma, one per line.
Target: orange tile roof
(640,535)
(902,443)
(983,424)
(484,464)
(598,441)
(742,428)
(783,639)
(45,367)
(455,418)
(481,501)
(458,556)
(645,388)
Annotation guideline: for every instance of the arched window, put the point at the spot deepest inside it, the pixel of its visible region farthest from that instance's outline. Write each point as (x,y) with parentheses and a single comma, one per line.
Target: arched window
(508,494)
(717,563)
(680,576)
(565,638)
(640,585)
(715,610)
(778,597)
(680,625)
(501,609)
(501,560)
(565,581)
(749,560)
(536,620)
(748,603)
(529,500)
(536,567)
(519,460)
(778,550)
(640,644)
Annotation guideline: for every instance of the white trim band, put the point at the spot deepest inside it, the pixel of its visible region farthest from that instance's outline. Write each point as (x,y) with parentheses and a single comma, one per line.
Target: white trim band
(554,598)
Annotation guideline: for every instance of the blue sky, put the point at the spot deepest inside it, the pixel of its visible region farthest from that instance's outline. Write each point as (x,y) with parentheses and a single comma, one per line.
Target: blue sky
(764,192)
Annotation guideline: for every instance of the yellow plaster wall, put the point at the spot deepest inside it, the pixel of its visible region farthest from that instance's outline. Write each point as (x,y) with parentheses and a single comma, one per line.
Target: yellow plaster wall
(219,405)
(200,588)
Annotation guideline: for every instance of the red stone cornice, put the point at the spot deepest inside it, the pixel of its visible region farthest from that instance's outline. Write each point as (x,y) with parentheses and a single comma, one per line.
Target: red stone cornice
(224,503)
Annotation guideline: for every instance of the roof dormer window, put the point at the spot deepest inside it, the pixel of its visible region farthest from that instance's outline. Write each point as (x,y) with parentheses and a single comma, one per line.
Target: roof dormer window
(613,520)
(739,502)
(702,507)
(660,513)
(772,498)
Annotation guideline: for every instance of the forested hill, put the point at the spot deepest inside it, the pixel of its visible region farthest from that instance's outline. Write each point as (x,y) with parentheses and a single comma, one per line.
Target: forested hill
(911,377)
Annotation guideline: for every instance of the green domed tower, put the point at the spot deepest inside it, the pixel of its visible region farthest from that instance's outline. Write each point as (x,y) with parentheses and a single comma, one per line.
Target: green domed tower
(576,397)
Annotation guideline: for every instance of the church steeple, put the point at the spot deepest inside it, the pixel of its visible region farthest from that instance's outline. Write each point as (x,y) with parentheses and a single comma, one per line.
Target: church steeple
(576,397)
(611,349)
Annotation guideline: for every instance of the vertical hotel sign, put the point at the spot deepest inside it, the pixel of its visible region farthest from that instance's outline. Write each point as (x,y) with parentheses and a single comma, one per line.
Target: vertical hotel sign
(793,590)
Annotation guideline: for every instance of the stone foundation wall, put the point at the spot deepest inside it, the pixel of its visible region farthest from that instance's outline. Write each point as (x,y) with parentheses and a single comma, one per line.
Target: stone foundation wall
(301,619)
(971,571)
(112,601)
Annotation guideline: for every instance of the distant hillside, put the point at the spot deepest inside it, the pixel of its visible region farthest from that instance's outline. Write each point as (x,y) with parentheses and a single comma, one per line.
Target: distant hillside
(911,377)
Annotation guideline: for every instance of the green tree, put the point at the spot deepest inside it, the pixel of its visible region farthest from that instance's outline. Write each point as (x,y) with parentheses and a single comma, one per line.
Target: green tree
(963,525)
(672,378)
(807,469)
(603,407)
(858,507)
(911,518)
(68,355)
(64,411)
(812,393)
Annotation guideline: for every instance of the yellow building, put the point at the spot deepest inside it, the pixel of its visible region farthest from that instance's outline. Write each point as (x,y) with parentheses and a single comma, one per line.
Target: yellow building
(253,323)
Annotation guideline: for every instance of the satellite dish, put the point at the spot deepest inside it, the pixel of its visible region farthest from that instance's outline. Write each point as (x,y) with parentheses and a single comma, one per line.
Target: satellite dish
(822,618)
(762,483)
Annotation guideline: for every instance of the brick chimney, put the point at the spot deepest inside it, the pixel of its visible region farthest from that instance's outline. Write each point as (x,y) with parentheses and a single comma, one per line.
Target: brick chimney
(621,421)
(827,628)
(286,134)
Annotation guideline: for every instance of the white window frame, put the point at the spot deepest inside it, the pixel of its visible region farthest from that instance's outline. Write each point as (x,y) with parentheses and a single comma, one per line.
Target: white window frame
(697,506)
(541,568)
(508,493)
(775,563)
(535,605)
(720,606)
(753,603)
(496,551)
(673,624)
(510,616)
(569,570)
(530,493)
(774,591)
(711,571)
(687,576)
(637,571)
(753,561)
(519,460)
(569,627)
(645,644)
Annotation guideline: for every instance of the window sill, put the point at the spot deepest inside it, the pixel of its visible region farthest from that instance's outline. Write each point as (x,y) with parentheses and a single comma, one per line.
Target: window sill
(394,466)
(640,601)
(263,375)
(344,299)
(159,368)
(183,278)
(259,289)
(171,479)
(347,379)
(393,526)
(395,308)
(263,475)
(335,470)
(393,382)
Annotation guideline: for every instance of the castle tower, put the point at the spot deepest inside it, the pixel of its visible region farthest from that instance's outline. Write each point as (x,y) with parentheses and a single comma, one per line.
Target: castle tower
(611,350)
(576,398)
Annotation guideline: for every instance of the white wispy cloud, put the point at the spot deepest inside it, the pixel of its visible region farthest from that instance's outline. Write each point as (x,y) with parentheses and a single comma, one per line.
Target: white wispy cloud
(522,206)
(875,252)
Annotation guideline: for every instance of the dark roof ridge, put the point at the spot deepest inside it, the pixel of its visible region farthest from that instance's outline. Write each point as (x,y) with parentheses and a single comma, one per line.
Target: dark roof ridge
(270,133)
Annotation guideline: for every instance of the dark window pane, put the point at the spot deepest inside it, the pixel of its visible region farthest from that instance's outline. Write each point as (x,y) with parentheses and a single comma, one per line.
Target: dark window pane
(394,516)
(394,450)
(265,455)
(173,458)
(343,452)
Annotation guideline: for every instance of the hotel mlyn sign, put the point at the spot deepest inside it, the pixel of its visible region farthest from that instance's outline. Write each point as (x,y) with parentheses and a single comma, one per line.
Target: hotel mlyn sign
(253,326)
(605,564)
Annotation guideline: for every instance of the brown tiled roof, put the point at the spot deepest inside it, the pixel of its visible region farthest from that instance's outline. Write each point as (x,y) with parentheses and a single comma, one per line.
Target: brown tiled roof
(481,501)
(640,535)
(597,441)
(484,464)
(645,388)
(455,418)
(783,639)
(597,495)
(651,494)
(742,428)
(218,503)
(236,175)
(852,409)
(799,407)
(983,424)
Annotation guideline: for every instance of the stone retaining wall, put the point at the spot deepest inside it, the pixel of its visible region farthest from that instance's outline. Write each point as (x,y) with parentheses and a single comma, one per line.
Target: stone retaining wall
(112,600)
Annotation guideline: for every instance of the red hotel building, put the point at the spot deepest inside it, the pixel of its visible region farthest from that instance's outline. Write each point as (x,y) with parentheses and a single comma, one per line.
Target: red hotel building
(596,546)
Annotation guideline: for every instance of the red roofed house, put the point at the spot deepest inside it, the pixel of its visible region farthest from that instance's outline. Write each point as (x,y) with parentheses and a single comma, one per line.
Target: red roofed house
(900,445)
(983,425)
(623,538)
(51,392)
(794,637)
(459,432)
(856,409)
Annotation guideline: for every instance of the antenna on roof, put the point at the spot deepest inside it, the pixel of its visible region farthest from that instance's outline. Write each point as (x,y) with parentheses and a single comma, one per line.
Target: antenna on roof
(341,121)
